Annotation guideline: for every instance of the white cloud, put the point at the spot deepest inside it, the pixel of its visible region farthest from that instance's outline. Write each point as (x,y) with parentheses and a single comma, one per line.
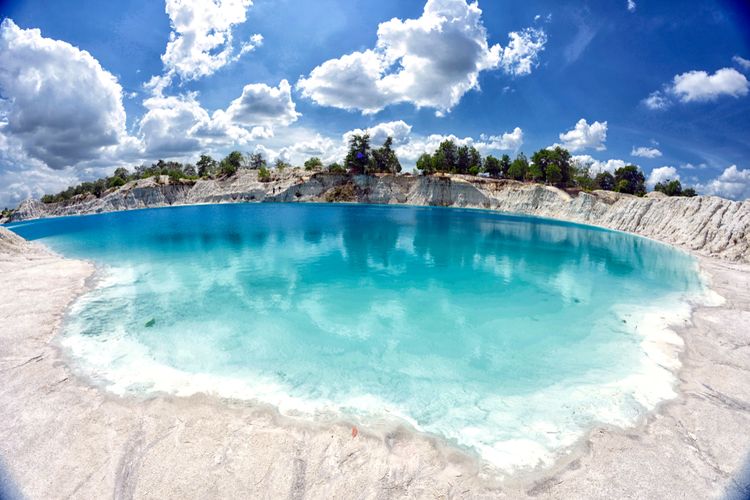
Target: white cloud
(398,130)
(169,124)
(742,62)
(596,166)
(733,183)
(431,61)
(585,136)
(698,86)
(261,104)
(521,54)
(201,39)
(179,125)
(631,6)
(509,141)
(662,174)
(645,152)
(657,101)
(61,107)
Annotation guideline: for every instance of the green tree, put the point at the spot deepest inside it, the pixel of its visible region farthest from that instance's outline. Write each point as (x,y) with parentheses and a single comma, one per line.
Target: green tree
(475,160)
(630,179)
(519,168)
(115,182)
(544,158)
(493,166)
(336,168)
(256,161)
(313,163)
(231,163)
(536,171)
(605,181)
(445,158)
(463,162)
(280,165)
(554,174)
(689,192)
(122,172)
(359,157)
(426,164)
(207,166)
(670,188)
(504,165)
(385,158)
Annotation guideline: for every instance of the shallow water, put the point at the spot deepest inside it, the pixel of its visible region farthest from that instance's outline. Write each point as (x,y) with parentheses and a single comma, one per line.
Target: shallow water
(507,335)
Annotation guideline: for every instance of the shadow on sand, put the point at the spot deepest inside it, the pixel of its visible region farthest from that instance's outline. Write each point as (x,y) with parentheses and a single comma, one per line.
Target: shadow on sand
(8,489)
(740,487)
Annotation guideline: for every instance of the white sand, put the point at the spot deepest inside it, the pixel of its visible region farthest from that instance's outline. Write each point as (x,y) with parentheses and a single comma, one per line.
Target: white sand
(60,437)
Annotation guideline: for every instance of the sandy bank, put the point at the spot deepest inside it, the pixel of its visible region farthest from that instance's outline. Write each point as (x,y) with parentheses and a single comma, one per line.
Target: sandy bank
(60,437)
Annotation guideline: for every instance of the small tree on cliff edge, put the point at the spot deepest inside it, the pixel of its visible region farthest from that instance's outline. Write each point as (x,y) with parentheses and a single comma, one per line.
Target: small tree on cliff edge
(630,179)
(359,157)
(385,158)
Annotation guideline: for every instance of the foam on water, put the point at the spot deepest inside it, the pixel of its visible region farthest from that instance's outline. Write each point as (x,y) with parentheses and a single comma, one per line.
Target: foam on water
(503,335)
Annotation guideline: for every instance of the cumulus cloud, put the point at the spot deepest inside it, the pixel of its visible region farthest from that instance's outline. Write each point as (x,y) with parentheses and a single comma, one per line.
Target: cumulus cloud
(585,136)
(645,152)
(733,183)
(431,61)
(742,62)
(631,6)
(595,166)
(179,125)
(521,54)
(60,105)
(509,141)
(662,174)
(699,86)
(261,104)
(399,130)
(201,39)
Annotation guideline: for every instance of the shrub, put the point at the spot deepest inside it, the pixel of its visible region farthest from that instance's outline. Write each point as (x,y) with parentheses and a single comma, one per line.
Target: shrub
(264,175)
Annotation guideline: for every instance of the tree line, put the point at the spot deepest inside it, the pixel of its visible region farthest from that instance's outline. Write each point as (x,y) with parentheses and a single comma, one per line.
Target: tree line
(553,166)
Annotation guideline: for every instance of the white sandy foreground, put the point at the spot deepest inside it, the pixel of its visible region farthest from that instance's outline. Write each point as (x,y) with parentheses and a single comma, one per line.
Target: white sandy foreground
(60,437)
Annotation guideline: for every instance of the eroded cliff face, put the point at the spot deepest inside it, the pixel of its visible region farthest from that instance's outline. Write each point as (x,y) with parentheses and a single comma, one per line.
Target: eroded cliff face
(706,225)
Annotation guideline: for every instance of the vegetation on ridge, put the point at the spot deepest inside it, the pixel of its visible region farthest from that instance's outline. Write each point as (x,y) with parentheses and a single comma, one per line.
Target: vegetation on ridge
(550,166)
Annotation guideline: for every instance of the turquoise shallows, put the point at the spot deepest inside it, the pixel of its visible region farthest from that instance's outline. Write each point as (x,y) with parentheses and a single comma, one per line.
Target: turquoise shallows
(506,335)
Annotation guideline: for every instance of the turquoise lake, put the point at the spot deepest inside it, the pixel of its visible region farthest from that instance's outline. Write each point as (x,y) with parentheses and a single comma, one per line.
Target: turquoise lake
(507,336)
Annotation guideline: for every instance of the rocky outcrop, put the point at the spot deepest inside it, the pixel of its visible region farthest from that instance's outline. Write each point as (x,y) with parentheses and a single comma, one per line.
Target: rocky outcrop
(706,225)
(10,243)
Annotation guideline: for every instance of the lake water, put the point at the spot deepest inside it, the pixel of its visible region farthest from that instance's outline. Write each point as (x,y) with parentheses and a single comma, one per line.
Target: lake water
(507,336)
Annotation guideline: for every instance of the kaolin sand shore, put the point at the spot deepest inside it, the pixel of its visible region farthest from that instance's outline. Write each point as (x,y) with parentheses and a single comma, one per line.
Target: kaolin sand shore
(60,437)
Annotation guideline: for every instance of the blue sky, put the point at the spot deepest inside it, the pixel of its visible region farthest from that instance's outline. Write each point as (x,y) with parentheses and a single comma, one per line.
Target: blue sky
(663,85)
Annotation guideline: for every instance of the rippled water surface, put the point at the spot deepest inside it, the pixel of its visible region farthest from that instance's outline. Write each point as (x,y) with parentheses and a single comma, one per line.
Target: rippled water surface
(509,336)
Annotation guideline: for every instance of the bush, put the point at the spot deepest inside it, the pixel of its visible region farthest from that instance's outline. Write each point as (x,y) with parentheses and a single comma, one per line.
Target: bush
(336,168)
(313,163)
(264,175)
